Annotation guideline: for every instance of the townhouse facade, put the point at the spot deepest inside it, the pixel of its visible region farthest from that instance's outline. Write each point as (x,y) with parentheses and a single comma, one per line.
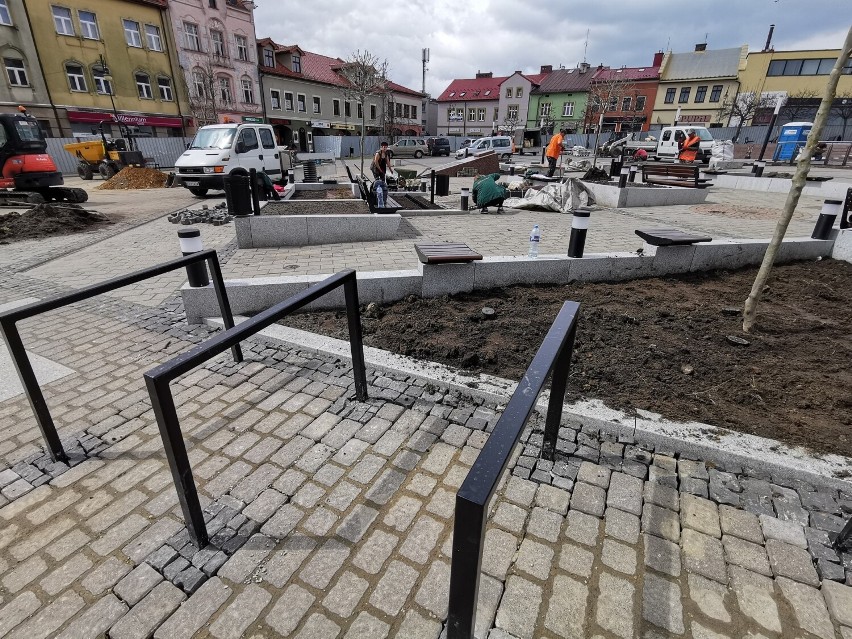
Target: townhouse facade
(215,41)
(470,106)
(306,94)
(695,86)
(105,61)
(624,97)
(559,102)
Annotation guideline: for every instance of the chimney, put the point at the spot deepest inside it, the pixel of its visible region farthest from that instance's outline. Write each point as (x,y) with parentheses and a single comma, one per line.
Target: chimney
(584,66)
(484,74)
(769,37)
(701,47)
(658,58)
(546,68)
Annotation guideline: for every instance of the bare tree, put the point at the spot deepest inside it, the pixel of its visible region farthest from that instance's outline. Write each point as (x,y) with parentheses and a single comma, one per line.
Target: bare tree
(366,78)
(842,108)
(209,95)
(511,123)
(799,104)
(743,106)
(798,183)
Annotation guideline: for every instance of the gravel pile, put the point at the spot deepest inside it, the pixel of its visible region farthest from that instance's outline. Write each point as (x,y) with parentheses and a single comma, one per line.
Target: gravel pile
(135,177)
(217,216)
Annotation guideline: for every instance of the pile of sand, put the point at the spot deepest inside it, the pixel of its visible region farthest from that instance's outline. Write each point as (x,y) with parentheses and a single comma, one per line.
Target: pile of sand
(48,219)
(133,177)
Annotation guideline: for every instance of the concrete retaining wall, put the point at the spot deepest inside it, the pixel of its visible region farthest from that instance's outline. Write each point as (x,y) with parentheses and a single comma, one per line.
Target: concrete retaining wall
(612,196)
(432,280)
(828,189)
(267,231)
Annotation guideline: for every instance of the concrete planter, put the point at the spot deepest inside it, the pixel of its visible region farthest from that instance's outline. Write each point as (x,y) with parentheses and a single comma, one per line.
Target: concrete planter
(268,231)
(634,196)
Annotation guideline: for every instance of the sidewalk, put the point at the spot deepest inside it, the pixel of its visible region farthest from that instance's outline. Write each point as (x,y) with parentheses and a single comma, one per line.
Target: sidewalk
(333,518)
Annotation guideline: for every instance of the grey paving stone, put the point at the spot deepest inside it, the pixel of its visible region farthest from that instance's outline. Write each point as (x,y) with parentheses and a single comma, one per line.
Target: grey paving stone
(105,576)
(703,555)
(662,555)
(510,517)
(245,560)
(325,562)
(195,611)
(566,607)
(50,618)
(356,523)
(553,499)
(521,491)
(625,493)
(755,596)
(149,613)
(534,559)
(839,600)
(622,525)
(659,495)
(594,474)
(242,612)
(700,514)
(740,523)
(746,554)
(660,522)
(615,605)
(393,588)
(661,603)
(519,606)
(710,597)
(366,626)
(619,557)
(138,583)
(583,528)
(96,619)
(588,499)
(791,561)
(419,543)
(16,610)
(433,594)
(809,608)
(576,560)
(787,531)
(345,595)
(499,552)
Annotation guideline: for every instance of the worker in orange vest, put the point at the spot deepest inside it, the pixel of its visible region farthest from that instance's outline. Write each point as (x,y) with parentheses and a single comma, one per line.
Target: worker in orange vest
(554,150)
(689,150)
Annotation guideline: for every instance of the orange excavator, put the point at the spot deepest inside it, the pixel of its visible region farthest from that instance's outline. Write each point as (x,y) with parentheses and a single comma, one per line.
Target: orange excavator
(27,173)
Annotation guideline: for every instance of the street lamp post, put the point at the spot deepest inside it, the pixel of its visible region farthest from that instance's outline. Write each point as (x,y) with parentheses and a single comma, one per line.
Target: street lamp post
(771,125)
(104,69)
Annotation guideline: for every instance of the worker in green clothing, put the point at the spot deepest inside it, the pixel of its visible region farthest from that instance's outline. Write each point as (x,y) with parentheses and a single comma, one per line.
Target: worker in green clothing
(486,192)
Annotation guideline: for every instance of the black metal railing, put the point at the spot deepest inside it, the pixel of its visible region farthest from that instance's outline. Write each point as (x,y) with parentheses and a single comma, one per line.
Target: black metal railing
(9,330)
(553,356)
(158,379)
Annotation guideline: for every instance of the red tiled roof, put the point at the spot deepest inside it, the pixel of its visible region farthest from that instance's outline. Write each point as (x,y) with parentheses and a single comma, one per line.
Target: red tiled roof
(473,89)
(628,73)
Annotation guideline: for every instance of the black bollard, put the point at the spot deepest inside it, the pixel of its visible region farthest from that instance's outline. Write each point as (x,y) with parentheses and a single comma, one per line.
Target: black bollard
(465,198)
(758,168)
(291,176)
(579,227)
(632,177)
(845,222)
(255,198)
(622,177)
(829,213)
(432,188)
(190,242)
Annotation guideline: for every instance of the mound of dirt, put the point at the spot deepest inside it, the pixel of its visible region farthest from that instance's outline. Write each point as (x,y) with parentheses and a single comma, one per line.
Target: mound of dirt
(135,177)
(657,344)
(44,220)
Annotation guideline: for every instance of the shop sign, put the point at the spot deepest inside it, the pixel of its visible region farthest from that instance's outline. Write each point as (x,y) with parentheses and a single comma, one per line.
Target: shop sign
(278,121)
(124,118)
(252,119)
(320,124)
(694,118)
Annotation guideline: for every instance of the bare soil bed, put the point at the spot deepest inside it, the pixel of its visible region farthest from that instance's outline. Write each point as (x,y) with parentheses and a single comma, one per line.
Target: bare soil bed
(328,207)
(324,194)
(659,345)
(45,220)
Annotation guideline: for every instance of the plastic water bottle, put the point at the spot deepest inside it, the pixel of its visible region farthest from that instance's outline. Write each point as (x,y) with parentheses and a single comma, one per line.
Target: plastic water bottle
(535,238)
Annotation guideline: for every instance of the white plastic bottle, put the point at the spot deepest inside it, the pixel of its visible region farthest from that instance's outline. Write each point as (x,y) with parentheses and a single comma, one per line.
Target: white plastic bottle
(535,238)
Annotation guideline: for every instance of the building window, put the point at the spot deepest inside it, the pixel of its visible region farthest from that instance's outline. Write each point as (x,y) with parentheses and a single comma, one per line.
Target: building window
(480,115)
(827,64)
(626,103)
(396,109)
(89,25)
(225,94)
(132,35)
(810,67)
(716,93)
(684,95)
(335,108)
(275,98)
(612,105)
(544,109)
(347,109)
(152,34)
(471,115)
(218,42)
(242,48)
(288,101)
(567,109)
(670,94)
(300,103)
(198,84)
(16,72)
(62,21)
(190,36)
(793,67)
(508,92)
(5,16)
(212,4)
(519,92)
(640,102)
(76,79)
(700,93)
(496,114)
(102,85)
(512,113)
(143,86)
(165,87)
(297,63)
(317,105)
(268,58)
(359,110)
(373,112)
(413,111)
(248,90)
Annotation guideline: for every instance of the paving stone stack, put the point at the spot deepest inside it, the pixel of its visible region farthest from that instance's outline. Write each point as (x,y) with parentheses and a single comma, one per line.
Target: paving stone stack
(216,216)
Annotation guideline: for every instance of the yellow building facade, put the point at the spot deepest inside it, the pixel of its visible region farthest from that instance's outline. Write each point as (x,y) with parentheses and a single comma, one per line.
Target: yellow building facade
(109,60)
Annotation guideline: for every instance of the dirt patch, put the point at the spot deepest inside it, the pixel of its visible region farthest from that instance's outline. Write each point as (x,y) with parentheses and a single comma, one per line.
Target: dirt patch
(135,177)
(410,202)
(325,194)
(327,207)
(659,345)
(44,220)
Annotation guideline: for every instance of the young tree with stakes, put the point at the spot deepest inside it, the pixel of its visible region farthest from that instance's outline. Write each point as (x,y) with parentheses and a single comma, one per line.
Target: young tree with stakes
(367,77)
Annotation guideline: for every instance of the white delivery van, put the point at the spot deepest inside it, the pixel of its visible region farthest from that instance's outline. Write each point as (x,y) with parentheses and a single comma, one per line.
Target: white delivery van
(226,149)
(667,147)
(501,144)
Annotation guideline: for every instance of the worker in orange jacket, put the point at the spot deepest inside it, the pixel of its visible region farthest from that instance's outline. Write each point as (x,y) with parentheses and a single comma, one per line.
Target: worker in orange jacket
(554,150)
(689,150)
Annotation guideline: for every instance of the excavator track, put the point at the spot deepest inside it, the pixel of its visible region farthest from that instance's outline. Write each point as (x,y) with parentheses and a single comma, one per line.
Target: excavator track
(54,194)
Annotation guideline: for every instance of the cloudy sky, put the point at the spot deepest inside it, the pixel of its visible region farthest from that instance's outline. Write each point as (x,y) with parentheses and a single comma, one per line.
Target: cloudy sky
(502,36)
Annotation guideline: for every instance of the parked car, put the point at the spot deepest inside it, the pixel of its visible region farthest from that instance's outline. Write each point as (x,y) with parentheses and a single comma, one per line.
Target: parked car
(408,148)
(438,146)
(500,144)
(465,143)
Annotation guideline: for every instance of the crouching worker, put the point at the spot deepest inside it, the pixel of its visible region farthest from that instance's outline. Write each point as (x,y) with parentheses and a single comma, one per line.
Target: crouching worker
(486,192)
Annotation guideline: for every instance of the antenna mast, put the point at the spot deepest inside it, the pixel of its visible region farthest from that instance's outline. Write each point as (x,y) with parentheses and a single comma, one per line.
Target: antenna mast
(586,47)
(425,60)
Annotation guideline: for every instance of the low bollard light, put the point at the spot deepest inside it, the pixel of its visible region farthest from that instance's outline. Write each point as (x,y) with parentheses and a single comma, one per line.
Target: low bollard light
(423,182)
(615,167)
(190,242)
(632,177)
(622,177)
(465,197)
(291,176)
(579,227)
(830,210)
(845,222)
(758,168)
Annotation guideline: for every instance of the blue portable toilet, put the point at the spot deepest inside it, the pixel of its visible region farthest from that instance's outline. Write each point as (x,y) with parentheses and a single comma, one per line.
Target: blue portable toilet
(793,135)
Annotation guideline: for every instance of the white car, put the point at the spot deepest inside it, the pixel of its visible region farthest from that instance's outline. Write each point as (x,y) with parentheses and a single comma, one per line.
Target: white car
(501,144)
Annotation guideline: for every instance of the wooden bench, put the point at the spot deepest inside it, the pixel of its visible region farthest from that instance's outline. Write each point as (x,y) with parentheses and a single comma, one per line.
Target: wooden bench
(445,252)
(670,237)
(686,175)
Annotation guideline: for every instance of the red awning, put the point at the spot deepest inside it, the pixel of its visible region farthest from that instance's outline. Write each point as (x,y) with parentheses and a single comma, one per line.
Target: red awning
(125,118)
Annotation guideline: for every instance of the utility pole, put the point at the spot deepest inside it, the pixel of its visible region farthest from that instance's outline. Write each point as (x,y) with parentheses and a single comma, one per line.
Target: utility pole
(423,89)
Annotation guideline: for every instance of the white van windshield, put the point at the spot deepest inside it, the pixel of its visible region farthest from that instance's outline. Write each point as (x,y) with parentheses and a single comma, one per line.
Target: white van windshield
(213,139)
(704,134)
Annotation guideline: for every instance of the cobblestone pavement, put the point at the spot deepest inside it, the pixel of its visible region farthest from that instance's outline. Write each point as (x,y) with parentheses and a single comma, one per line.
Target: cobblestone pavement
(333,518)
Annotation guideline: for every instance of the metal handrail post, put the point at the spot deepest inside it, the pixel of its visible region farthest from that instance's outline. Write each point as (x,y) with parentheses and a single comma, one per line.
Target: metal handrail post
(224,304)
(558,385)
(32,390)
(468,542)
(356,341)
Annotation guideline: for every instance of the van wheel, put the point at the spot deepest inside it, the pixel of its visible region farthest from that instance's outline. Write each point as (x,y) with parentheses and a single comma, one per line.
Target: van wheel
(506,156)
(418,155)
(198,192)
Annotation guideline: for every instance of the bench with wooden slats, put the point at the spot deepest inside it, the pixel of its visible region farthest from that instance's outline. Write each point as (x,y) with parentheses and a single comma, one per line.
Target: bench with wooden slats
(445,252)
(670,237)
(687,175)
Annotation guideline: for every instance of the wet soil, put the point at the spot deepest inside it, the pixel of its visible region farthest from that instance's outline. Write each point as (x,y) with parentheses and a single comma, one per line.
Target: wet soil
(325,194)
(45,220)
(327,207)
(658,344)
